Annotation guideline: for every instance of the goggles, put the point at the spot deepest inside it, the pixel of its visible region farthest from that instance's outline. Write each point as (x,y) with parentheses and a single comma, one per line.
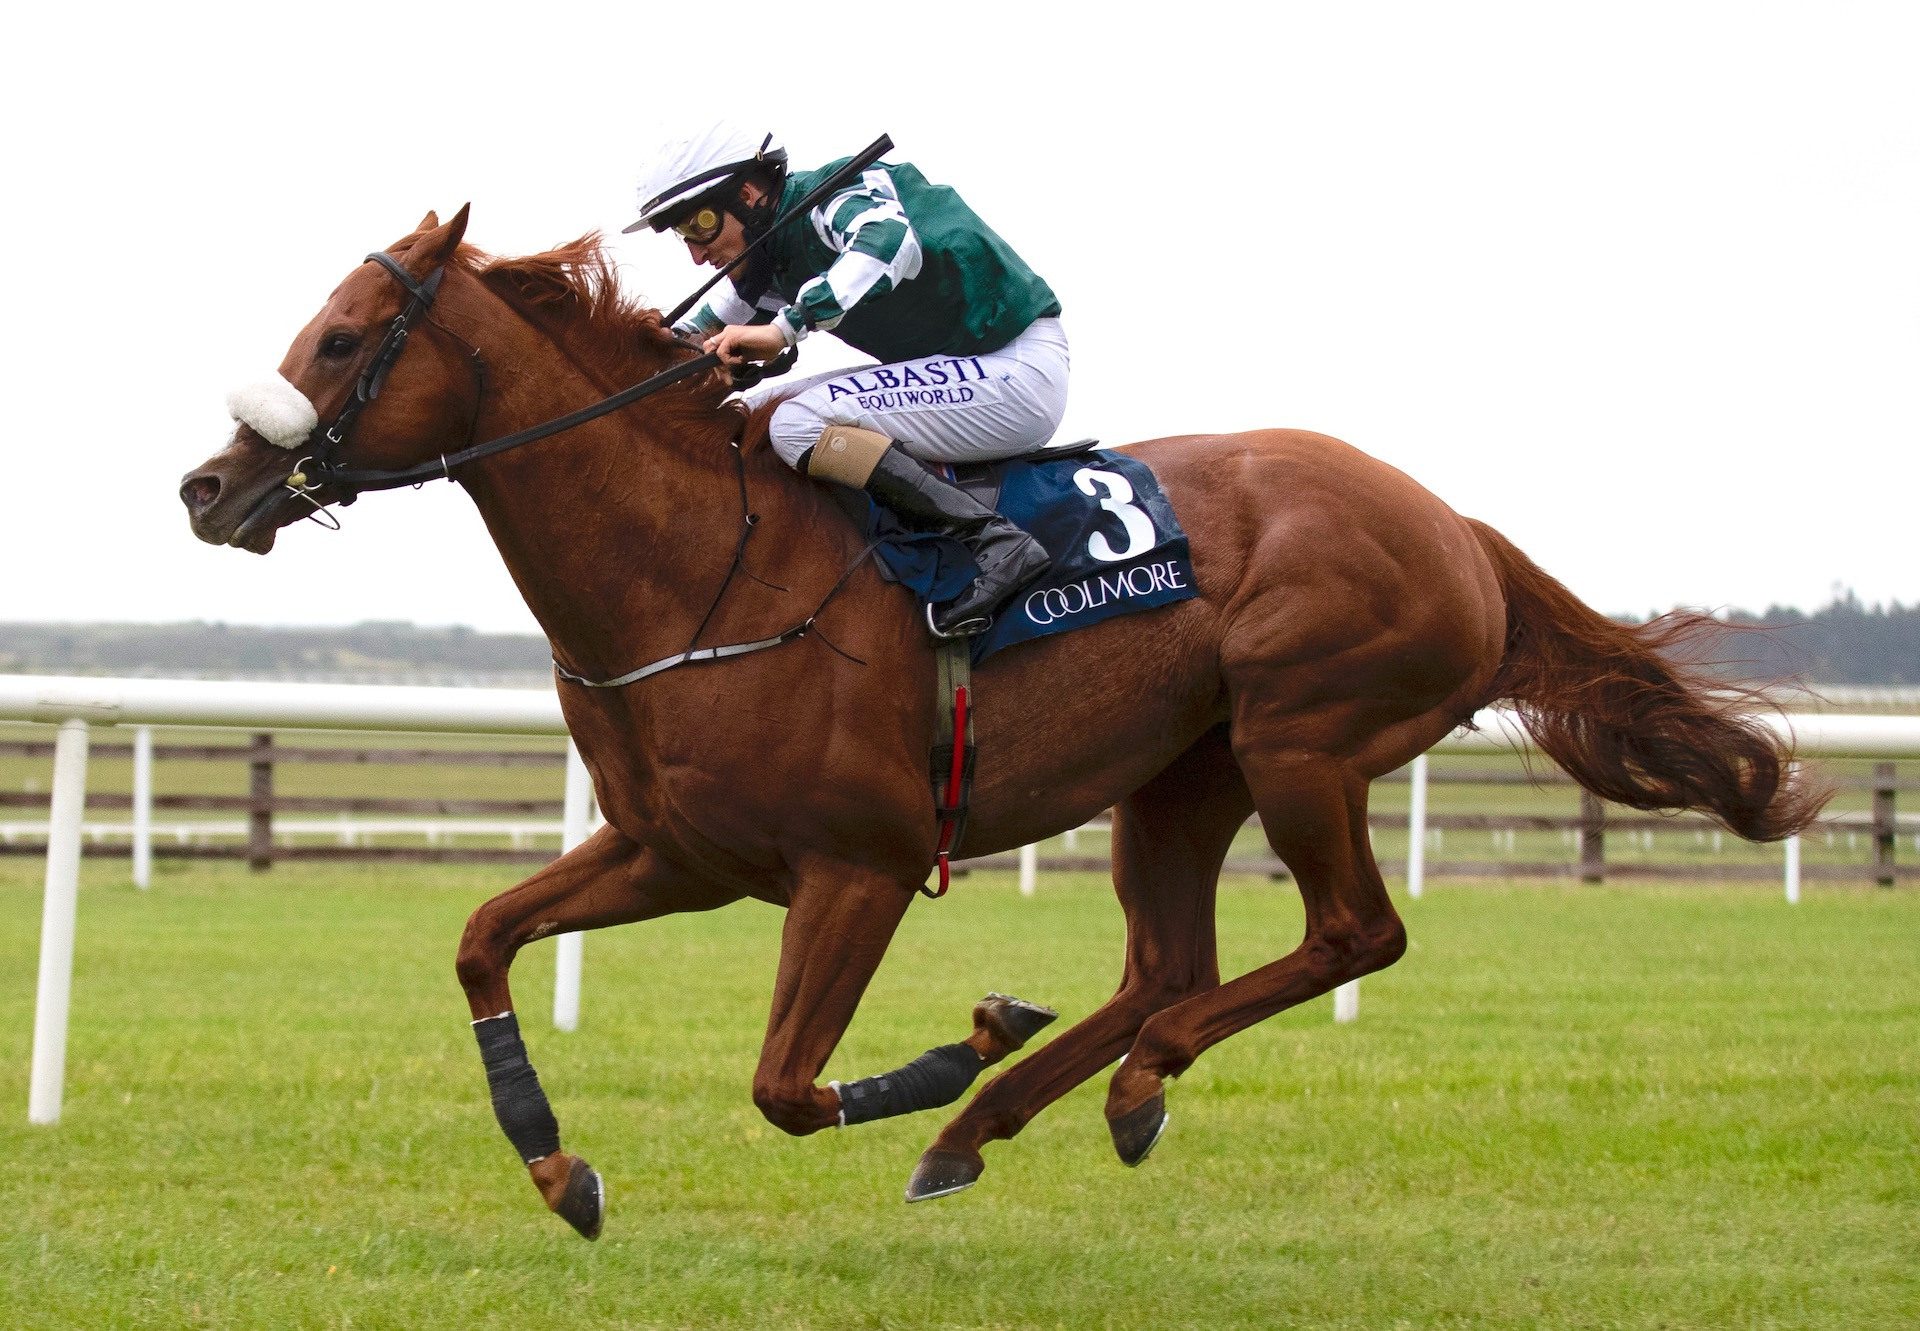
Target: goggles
(701,226)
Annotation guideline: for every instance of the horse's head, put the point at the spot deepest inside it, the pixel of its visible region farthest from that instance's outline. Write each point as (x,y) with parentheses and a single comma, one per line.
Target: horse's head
(333,403)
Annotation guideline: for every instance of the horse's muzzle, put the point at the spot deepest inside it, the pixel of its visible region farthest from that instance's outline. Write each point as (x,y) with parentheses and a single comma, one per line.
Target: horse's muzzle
(232,500)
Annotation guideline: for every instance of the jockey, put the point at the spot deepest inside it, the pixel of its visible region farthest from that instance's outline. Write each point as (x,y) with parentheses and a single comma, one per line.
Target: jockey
(973,360)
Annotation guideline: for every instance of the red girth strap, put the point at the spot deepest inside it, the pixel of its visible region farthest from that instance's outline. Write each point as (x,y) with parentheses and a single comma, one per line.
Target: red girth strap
(952,756)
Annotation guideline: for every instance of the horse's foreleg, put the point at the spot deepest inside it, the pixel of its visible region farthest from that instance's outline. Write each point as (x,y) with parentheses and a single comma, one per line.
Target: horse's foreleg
(604,881)
(1314,810)
(1169,839)
(839,922)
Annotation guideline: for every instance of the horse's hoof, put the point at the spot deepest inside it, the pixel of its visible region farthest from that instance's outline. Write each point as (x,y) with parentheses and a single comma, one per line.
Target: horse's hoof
(1008,1023)
(577,1197)
(1137,1131)
(942,1172)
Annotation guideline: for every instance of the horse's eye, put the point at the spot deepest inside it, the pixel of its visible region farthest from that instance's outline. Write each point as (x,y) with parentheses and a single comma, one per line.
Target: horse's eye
(338,346)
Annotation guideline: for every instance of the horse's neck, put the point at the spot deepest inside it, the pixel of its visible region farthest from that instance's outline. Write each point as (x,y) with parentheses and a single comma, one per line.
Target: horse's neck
(618,533)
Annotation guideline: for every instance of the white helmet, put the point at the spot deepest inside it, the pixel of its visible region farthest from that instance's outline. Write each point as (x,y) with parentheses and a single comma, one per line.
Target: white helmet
(687,167)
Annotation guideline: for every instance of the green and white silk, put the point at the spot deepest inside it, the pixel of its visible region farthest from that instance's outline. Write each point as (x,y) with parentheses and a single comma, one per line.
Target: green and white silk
(893,265)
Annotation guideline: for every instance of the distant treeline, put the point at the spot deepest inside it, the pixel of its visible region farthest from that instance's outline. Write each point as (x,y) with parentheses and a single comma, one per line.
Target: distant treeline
(378,647)
(1844,643)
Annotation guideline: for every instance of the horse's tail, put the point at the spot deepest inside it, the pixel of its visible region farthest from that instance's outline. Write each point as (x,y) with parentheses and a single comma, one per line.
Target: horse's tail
(1614,705)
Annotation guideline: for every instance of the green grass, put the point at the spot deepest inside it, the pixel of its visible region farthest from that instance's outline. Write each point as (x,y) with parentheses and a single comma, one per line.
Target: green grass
(1618,1107)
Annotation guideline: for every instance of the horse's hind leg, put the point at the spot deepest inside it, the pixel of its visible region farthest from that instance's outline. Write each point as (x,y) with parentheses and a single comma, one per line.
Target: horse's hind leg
(604,881)
(1314,810)
(1169,838)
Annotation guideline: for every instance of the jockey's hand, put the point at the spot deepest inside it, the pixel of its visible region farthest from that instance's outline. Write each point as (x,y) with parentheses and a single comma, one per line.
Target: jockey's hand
(736,344)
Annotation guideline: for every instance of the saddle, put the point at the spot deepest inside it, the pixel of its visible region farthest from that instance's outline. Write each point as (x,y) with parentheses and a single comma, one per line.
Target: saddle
(983,480)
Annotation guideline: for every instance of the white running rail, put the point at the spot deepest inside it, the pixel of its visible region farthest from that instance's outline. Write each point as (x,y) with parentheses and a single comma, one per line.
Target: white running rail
(76,703)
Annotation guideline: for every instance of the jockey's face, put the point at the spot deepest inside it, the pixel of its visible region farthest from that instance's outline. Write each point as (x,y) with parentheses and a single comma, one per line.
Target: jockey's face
(724,248)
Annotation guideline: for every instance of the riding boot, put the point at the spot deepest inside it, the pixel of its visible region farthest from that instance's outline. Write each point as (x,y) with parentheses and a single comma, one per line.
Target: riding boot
(1008,558)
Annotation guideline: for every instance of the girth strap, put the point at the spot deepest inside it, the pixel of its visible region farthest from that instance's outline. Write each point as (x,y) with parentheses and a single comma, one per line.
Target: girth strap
(951,761)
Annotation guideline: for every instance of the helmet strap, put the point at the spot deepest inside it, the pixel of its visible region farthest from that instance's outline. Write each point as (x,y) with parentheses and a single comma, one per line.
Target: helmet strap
(753,277)
(756,219)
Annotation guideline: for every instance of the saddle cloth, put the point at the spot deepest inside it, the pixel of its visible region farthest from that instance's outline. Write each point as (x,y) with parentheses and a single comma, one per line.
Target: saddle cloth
(1115,542)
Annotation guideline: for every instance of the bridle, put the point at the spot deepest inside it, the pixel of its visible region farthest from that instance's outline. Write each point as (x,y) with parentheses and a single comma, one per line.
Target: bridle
(373,377)
(319,465)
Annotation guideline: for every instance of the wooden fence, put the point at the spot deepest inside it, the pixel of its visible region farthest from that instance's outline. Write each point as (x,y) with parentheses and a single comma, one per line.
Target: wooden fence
(1588,829)
(259,805)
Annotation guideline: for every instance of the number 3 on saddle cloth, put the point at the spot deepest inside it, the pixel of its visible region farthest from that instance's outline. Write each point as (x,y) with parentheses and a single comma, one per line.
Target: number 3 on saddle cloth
(1115,543)
(1116,548)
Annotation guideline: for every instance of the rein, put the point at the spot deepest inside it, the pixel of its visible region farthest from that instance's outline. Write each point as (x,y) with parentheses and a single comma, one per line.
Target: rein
(319,468)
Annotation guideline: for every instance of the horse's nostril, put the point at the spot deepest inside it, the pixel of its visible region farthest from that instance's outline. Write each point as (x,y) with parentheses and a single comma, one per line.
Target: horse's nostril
(199,492)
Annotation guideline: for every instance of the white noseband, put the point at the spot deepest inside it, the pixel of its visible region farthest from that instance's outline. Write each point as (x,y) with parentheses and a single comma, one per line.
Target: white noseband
(276,410)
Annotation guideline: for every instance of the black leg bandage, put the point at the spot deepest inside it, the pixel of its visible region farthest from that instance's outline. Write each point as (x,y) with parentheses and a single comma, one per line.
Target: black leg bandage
(937,1077)
(518,1102)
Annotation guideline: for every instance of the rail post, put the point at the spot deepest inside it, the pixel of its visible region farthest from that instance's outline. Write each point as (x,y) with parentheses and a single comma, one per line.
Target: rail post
(1346,1002)
(1793,847)
(569,958)
(58,917)
(260,802)
(1883,824)
(1593,838)
(143,807)
(1417,829)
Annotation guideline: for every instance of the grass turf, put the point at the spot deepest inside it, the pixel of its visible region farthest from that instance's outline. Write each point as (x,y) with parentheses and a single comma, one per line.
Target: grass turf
(1614,1107)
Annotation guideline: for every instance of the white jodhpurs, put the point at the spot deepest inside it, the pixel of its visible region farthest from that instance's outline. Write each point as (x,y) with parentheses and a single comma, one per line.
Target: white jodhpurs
(939,408)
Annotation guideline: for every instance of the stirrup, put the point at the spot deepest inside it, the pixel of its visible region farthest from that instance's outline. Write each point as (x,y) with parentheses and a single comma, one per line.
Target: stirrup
(967,628)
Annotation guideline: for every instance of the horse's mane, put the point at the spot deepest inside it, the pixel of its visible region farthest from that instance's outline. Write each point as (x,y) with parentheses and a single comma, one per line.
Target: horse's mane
(572,293)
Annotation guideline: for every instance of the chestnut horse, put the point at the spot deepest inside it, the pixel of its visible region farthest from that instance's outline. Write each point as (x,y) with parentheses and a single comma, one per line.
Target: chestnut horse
(1346,621)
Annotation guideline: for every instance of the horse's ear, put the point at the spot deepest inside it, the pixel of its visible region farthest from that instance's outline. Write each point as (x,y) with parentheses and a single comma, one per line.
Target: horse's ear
(429,222)
(436,246)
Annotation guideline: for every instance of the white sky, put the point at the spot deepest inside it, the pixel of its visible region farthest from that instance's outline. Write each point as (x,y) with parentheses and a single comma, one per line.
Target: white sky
(1637,283)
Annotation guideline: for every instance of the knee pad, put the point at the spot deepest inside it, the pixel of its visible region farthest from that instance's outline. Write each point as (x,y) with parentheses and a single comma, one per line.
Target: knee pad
(847,455)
